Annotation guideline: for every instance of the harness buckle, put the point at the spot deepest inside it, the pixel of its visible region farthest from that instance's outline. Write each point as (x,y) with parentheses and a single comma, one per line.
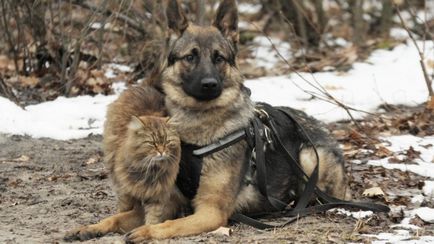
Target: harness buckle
(262,114)
(268,135)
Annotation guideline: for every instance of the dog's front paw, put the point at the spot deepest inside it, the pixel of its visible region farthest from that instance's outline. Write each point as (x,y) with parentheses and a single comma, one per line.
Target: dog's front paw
(82,234)
(139,235)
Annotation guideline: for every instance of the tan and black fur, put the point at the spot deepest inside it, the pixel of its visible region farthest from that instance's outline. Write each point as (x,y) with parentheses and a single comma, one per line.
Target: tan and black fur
(205,98)
(142,155)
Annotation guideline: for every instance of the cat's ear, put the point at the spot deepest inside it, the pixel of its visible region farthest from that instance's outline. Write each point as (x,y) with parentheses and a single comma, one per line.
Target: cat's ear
(135,123)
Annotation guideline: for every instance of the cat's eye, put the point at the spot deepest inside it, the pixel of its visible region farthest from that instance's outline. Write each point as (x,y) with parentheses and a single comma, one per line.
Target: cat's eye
(172,142)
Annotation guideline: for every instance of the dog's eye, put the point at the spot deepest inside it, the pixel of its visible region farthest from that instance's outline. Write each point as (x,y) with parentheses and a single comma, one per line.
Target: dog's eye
(189,58)
(219,59)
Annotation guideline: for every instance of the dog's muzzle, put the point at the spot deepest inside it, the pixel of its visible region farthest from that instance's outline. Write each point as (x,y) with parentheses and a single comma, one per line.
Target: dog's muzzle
(205,90)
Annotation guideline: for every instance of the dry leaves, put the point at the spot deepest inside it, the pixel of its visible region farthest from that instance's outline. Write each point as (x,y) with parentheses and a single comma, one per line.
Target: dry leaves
(430,104)
(20,159)
(373,192)
(6,64)
(224,231)
(412,154)
(383,152)
(94,159)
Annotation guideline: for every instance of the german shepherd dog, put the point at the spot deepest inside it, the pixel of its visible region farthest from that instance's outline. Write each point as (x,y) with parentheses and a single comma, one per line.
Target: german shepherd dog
(206,99)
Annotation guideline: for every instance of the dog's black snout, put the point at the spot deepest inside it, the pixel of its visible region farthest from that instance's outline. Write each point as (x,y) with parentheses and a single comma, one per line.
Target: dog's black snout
(204,89)
(209,84)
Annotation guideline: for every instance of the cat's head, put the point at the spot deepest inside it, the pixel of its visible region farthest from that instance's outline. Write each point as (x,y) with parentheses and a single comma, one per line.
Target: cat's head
(153,139)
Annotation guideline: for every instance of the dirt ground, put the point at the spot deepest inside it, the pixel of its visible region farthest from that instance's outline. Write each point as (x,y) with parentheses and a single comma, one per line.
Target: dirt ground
(48,187)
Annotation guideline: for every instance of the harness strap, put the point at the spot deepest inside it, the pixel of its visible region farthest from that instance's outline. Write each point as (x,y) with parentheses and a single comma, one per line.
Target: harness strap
(254,136)
(310,190)
(261,169)
(223,143)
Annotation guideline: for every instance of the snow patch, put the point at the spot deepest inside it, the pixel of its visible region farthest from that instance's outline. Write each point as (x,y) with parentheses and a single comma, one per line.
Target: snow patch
(385,77)
(425,213)
(392,77)
(398,33)
(62,119)
(417,199)
(399,144)
(249,8)
(265,54)
(428,189)
(354,214)
(400,237)
(121,67)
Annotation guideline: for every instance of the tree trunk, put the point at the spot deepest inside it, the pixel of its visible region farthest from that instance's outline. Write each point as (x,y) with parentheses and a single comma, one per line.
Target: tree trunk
(386,18)
(322,20)
(359,29)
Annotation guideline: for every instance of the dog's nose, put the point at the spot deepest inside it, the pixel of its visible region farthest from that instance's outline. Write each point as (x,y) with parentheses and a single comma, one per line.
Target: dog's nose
(209,84)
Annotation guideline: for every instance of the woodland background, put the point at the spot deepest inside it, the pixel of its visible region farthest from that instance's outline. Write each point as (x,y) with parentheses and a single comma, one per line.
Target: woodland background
(52,48)
(364,66)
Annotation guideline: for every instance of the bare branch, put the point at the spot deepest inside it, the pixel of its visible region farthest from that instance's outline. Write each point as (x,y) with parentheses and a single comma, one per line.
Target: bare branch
(322,93)
(428,81)
(7,92)
(107,12)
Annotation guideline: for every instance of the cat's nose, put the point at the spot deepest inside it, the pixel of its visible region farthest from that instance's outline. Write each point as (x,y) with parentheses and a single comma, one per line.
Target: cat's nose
(161,150)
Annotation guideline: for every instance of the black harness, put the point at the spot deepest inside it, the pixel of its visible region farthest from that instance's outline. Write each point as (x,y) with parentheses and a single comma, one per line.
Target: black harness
(261,135)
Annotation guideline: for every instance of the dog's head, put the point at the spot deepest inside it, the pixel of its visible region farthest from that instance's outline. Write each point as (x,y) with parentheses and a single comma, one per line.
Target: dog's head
(201,70)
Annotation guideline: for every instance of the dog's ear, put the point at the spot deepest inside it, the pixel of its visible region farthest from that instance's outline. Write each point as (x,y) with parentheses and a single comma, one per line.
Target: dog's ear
(226,20)
(176,18)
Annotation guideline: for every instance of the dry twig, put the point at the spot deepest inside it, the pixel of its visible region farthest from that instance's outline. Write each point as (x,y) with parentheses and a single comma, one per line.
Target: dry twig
(107,12)
(321,92)
(6,92)
(428,81)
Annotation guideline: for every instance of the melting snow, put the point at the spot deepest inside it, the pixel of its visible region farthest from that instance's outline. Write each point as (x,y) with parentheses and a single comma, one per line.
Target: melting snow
(399,144)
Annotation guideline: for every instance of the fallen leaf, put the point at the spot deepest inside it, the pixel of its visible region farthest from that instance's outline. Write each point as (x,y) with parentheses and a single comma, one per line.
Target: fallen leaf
(52,178)
(29,81)
(430,104)
(417,221)
(222,231)
(351,153)
(93,159)
(373,192)
(340,134)
(97,73)
(22,158)
(395,160)
(427,146)
(412,154)
(383,152)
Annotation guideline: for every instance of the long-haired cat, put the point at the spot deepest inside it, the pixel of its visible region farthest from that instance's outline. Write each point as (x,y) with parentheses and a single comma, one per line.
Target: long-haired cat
(146,166)
(142,153)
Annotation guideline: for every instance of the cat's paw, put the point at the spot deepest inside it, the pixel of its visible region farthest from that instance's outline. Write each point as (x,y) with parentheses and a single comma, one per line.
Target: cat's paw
(82,234)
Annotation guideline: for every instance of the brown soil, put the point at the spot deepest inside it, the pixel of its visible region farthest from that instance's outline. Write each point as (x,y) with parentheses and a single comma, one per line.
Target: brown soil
(48,187)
